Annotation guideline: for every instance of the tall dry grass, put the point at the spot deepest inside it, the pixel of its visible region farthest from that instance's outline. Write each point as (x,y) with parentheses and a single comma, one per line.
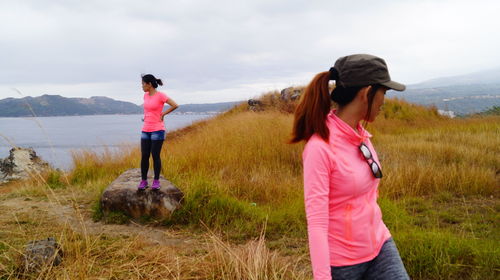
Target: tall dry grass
(101,256)
(458,156)
(253,261)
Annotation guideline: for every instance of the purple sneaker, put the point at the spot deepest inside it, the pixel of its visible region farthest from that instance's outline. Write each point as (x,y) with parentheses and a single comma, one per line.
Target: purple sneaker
(155,185)
(142,185)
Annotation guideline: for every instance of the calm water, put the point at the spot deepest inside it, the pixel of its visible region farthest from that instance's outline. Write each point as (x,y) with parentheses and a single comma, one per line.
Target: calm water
(53,138)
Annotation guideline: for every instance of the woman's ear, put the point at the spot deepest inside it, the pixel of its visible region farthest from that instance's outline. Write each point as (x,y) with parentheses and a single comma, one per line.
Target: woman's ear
(363,94)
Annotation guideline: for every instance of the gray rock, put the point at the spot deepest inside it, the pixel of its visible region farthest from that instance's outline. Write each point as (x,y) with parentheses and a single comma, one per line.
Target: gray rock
(122,195)
(290,93)
(296,94)
(254,102)
(21,163)
(254,105)
(285,93)
(40,254)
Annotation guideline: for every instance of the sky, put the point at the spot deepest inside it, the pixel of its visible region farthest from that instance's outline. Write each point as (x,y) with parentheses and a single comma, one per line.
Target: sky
(216,51)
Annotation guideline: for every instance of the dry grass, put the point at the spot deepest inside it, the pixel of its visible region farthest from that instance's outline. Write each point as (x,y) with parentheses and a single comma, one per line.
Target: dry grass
(100,256)
(458,156)
(238,173)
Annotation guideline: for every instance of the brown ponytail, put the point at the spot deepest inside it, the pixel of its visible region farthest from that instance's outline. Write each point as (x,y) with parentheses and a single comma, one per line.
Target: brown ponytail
(314,106)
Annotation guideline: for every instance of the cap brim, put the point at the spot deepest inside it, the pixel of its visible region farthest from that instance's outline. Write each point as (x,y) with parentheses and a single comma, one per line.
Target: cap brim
(394,85)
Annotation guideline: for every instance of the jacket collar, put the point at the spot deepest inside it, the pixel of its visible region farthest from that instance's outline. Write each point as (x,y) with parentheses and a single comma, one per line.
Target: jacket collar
(338,128)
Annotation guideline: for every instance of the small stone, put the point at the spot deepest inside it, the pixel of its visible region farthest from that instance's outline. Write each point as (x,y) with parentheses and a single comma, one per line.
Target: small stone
(40,254)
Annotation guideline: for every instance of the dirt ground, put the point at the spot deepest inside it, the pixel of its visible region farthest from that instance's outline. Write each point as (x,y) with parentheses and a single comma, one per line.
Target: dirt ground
(78,218)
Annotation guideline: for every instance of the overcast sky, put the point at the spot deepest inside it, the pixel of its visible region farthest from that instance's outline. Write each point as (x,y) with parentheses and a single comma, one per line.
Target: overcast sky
(214,51)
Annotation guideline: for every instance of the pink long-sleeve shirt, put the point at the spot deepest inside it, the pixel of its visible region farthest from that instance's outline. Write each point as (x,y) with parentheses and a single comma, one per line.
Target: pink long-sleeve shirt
(344,221)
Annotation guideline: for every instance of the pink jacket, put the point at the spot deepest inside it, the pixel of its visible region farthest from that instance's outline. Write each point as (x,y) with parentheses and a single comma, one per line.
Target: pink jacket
(344,221)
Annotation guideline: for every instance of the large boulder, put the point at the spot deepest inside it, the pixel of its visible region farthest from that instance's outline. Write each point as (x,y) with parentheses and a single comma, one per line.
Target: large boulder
(122,195)
(21,163)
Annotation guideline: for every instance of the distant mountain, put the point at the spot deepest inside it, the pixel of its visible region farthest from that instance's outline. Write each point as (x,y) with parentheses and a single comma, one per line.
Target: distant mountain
(464,94)
(56,105)
(491,76)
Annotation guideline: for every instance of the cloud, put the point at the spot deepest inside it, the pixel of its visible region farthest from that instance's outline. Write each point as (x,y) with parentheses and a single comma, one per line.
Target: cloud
(216,47)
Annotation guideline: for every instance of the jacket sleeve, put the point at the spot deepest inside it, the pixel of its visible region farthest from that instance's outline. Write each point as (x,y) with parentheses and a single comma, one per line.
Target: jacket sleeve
(317,167)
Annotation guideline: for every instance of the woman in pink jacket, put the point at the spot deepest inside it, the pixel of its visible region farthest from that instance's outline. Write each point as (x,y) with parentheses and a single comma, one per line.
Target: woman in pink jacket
(153,130)
(347,237)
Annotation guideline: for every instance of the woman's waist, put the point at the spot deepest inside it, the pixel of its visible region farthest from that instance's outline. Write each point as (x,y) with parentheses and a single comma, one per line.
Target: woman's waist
(360,209)
(149,126)
(153,121)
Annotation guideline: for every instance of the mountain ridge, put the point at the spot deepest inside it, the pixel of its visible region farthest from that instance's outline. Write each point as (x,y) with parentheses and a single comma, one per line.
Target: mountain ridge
(462,94)
(490,76)
(56,105)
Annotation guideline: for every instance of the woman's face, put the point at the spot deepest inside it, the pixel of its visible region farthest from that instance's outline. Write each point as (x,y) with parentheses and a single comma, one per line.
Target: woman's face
(146,87)
(378,101)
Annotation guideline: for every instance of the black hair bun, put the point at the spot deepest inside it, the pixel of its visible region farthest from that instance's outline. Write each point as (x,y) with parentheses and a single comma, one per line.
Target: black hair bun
(334,74)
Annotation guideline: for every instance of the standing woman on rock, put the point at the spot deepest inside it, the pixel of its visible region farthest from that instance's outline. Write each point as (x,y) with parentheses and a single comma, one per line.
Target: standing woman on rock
(347,237)
(153,130)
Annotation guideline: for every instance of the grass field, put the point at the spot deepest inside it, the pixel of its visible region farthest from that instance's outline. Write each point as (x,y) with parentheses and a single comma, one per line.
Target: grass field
(243,213)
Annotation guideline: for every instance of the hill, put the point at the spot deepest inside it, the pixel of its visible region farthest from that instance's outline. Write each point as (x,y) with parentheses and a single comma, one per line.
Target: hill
(464,94)
(244,211)
(491,76)
(56,105)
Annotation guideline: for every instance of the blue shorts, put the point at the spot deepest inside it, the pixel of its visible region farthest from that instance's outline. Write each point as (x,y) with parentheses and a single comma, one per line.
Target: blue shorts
(154,135)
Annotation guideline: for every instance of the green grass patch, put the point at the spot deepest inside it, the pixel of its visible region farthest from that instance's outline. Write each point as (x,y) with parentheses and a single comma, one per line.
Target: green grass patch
(113,217)
(3,247)
(55,180)
(438,254)
(205,204)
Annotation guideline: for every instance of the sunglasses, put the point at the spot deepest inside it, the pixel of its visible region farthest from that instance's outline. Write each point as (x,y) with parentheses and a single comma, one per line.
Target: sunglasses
(377,172)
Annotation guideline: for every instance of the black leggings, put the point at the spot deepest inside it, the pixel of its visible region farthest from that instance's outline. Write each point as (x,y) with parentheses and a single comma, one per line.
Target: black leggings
(150,147)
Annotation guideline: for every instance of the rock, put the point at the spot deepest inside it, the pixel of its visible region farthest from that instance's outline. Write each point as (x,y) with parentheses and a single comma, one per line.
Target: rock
(254,105)
(254,102)
(290,93)
(296,94)
(122,195)
(21,163)
(285,93)
(40,254)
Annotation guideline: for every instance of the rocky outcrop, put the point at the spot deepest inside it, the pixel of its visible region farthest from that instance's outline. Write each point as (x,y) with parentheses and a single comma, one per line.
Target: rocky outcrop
(21,163)
(122,195)
(41,254)
(290,93)
(254,105)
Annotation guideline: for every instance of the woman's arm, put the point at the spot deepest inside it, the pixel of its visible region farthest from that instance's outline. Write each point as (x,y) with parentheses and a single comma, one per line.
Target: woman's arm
(172,107)
(316,195)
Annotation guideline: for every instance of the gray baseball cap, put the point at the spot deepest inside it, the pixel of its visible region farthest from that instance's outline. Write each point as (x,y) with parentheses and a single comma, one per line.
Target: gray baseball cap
(363,70)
